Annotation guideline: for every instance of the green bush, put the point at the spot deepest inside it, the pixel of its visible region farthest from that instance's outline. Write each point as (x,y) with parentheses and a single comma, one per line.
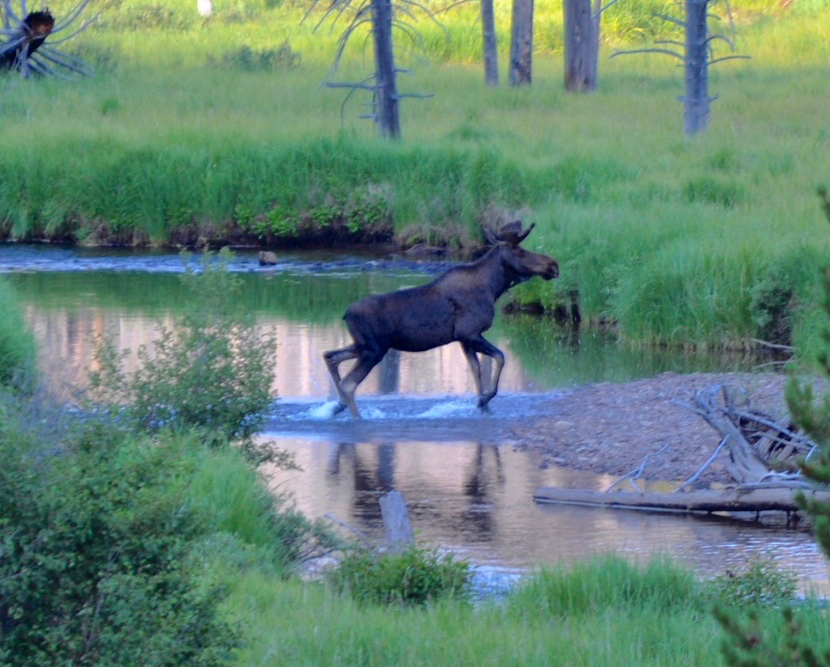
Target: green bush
(17,346)
(267,60)
(760,583)
(96,537)
(212,370)
(412,577)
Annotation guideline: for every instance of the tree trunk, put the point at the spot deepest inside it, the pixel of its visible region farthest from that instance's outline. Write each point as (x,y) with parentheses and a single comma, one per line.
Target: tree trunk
(521,47)
(491,57)
(386,97)
(581,46)
(697,100)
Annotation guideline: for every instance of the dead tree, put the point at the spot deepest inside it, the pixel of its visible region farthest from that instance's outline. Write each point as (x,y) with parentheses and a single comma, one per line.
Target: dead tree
(581,45)
(697,56)
(25,33)
(382,16)
(762,455)
(488,33)
(521,44)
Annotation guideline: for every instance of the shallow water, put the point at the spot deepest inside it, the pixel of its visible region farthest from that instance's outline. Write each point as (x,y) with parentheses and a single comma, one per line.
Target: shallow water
(467,488)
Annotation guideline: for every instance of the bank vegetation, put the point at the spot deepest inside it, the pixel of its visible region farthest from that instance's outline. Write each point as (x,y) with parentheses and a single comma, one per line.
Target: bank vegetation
(201,131)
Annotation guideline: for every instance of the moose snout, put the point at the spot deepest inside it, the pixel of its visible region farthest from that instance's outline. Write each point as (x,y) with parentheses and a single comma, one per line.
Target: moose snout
(551,271)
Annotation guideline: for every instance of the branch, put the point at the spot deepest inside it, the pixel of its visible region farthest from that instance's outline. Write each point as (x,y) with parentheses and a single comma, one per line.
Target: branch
(700,470)
(673,42)
(355,86)
(667,52)
(349,95)
(72,16)
(720,60)
(671,19)
(63,60)
(602,9)
(634,474)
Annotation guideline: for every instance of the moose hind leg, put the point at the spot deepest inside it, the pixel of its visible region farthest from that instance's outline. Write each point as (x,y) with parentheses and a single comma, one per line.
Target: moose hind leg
(366,361)
(333,359)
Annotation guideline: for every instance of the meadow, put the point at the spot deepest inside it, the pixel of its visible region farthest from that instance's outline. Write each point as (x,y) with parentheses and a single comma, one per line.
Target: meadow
(217,129)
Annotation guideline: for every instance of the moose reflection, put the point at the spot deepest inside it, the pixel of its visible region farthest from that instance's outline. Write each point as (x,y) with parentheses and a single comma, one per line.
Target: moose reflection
(457,306)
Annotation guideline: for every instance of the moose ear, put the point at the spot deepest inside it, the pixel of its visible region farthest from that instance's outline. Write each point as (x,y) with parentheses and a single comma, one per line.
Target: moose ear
(491,237)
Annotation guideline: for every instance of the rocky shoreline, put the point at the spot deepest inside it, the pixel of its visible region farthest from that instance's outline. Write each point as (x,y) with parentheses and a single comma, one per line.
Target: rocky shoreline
(611,428)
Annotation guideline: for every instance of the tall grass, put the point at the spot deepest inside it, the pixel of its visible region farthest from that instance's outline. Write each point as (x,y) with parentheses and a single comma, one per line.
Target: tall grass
(606,612)
(667,236)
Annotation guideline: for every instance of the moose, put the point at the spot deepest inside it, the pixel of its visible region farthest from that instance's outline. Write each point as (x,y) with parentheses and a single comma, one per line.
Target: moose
(457,306)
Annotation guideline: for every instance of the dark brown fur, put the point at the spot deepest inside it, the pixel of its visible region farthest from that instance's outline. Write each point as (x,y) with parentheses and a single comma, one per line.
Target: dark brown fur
(458,306)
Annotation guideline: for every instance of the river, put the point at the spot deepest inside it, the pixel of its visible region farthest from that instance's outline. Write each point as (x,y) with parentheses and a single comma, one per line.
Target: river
(467,488)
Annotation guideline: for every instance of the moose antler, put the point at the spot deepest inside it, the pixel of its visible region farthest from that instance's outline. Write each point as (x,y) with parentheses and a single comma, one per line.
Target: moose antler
(512,233)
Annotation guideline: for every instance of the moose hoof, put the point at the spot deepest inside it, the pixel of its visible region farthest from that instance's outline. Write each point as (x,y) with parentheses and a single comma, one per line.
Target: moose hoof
(338,409)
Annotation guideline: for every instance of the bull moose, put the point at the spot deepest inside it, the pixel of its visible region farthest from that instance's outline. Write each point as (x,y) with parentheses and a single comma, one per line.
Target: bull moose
(457,306)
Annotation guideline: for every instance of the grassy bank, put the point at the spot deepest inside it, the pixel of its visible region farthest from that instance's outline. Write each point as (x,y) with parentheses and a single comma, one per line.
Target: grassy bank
(602,613)
(179,138)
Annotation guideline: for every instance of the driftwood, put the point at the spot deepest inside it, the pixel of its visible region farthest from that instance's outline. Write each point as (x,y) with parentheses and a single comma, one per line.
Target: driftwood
(396,521)
(760,448)
(396,524)
(736,499)
(762,453)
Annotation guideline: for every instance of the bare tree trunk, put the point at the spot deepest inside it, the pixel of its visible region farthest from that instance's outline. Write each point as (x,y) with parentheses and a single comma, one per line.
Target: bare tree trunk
(581,46)
(697,99)
(491,57)
(521,47)
(386,100)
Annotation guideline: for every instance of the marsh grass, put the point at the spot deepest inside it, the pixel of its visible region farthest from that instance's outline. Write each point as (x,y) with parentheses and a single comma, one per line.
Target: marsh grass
(666,236)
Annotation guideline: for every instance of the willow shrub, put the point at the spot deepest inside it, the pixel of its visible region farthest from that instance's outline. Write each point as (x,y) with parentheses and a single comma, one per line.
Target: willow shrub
(98,542)
(414,576)
(211,371)
(17,345)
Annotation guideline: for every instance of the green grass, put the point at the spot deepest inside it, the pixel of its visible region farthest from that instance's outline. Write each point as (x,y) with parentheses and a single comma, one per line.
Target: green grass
(604,612)
(669,237)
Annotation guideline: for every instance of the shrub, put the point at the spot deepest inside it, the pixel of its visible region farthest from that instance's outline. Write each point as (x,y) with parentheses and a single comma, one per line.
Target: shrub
(269,60)
(412,577)
(211,371)
(760,583)
(96,537)
(17,346)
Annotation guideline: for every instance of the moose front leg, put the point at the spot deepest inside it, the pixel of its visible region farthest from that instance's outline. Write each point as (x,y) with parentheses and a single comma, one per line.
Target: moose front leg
(482,346)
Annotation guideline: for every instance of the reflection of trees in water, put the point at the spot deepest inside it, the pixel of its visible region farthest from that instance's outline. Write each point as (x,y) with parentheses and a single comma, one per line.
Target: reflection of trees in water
(370,480)
(482,480)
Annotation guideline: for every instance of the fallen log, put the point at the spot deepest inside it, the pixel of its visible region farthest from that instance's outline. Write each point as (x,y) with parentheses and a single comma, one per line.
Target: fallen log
(700,501)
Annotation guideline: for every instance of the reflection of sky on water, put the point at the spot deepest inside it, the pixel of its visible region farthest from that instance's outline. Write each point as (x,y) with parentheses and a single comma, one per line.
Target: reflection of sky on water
(477,500)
